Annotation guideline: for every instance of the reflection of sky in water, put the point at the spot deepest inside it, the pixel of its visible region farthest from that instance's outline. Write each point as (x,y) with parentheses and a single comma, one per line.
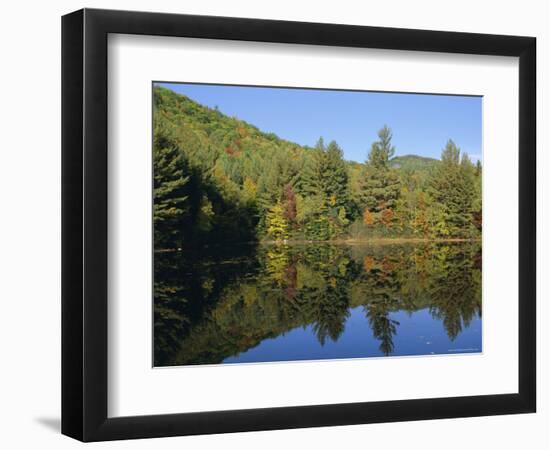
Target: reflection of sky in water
(418,333)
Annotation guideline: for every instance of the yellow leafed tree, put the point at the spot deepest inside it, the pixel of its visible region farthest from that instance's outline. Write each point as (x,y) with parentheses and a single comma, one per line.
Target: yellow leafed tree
(277,225)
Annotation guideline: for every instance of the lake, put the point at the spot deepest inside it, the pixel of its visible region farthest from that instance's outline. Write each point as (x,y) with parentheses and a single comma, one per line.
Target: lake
(310,301)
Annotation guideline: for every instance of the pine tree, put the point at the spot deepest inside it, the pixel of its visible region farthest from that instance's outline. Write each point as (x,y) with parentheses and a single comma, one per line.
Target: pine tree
(452,189)
(335,176)
(170,196)
(311,180)
(382,150)
(477,203)
(326,180)
(380,185)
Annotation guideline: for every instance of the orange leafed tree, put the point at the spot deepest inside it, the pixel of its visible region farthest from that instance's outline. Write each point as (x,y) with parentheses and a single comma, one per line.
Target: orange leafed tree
(368,217)
(386,217)
(368,263)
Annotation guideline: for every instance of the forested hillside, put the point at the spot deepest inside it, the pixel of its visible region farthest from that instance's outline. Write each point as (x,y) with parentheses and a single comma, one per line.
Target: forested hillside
(220,179)
(413,162)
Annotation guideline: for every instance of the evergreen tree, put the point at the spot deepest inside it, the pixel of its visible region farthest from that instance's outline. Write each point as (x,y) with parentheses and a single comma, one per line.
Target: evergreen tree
(335,177)
(452,189)
(380,186)
(170,199)
(312,176)
(326,180)
(477,203)
(382,150)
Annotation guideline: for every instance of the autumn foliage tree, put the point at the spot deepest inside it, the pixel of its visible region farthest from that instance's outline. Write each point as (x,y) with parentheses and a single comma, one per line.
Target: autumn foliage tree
(289,199)
(276,223)
(368,218)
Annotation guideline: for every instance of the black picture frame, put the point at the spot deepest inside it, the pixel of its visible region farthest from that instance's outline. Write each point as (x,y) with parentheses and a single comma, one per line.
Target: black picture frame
(84,224)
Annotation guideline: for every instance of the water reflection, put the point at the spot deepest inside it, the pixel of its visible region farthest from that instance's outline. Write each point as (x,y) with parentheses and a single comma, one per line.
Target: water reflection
(316,301)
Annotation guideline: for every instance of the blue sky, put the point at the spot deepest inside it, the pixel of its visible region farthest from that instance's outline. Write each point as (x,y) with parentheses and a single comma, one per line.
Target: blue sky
(421,124)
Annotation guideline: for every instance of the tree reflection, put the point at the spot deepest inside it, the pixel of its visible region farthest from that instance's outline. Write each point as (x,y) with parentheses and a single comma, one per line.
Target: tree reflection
(225,301)
(455,288)
(383,327)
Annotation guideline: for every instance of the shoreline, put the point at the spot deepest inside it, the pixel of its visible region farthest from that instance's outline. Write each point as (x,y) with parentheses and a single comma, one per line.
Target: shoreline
(371,241)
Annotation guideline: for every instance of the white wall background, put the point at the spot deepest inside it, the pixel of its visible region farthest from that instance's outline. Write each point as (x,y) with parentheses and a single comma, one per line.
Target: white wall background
(30,224)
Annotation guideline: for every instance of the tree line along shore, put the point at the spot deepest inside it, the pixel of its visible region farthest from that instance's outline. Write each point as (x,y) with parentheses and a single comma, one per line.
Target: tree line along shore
(218,179)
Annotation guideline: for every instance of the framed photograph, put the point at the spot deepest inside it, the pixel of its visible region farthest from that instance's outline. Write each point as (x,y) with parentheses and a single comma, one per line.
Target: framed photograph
(273,224)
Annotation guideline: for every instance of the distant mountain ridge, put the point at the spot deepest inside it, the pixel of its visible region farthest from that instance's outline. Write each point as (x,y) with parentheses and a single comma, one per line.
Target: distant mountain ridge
(413,162)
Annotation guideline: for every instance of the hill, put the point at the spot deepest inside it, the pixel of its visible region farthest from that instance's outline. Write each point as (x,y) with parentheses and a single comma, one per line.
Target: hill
(413,163)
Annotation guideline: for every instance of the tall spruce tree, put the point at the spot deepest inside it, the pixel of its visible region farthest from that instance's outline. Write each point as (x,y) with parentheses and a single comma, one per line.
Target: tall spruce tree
(170,196)
(477,203)
(334,175)
(382,150)
(311,180)
(326,180)
(380,185)
(452,188)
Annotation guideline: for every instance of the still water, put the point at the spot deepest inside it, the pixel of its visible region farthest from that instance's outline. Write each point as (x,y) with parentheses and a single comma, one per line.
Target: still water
(258,303)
